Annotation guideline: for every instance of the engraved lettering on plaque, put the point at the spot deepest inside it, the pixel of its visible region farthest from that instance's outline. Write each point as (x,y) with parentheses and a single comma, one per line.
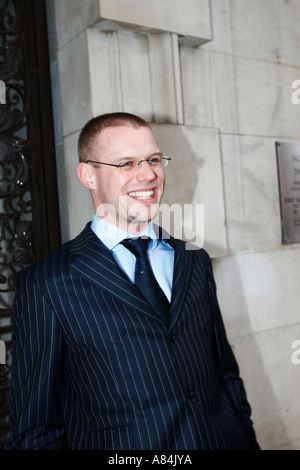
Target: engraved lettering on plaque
(288,163)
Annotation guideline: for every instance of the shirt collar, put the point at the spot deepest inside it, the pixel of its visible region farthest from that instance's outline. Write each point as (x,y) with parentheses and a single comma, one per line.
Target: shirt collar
(111,235)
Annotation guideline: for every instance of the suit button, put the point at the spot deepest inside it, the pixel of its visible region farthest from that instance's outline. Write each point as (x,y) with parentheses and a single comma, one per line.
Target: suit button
(189,394)
(173,338)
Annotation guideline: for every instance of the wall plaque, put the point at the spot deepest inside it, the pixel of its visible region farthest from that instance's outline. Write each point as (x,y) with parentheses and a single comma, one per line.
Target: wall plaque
(288,163)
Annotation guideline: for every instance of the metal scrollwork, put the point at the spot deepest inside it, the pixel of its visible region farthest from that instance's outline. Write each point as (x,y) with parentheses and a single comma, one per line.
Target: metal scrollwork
(16,248)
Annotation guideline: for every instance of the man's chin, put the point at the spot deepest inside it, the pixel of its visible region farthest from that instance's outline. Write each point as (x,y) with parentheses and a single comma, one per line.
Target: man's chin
(142,213)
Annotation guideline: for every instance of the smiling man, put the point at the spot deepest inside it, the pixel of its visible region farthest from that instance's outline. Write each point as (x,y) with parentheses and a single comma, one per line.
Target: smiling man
(123,168)
(118,339)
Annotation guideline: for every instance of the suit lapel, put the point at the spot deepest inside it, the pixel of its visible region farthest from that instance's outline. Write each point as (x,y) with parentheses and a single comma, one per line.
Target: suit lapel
(94,262)
(183,265)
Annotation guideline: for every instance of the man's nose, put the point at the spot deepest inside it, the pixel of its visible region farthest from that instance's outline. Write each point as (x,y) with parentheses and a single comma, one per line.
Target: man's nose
(145,171)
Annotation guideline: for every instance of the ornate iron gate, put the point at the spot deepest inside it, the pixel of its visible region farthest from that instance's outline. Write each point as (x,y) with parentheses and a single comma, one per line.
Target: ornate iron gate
(29,215)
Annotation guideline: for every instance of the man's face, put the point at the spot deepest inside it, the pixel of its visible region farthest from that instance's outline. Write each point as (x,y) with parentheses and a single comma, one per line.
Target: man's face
(127,198)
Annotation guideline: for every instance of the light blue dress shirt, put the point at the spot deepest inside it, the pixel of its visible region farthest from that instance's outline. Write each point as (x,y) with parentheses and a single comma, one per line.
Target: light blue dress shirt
(161,254)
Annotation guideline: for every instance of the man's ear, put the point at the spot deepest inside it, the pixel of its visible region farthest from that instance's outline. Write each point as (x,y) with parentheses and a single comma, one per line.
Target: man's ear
(86,175)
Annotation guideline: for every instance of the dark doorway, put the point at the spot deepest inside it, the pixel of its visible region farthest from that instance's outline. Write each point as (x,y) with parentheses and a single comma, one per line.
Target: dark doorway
(29,211)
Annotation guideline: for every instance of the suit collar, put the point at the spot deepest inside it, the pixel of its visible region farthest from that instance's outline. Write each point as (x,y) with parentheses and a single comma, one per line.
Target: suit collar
(183,265)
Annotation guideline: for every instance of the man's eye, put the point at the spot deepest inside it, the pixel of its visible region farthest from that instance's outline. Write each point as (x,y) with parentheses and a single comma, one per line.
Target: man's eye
(126,165)
(154,160)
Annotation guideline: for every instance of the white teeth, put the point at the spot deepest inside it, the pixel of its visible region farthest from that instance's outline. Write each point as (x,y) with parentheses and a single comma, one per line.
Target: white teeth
(142,194)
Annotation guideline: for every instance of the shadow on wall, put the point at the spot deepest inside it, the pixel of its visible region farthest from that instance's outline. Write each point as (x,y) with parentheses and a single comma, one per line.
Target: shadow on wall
(257,354)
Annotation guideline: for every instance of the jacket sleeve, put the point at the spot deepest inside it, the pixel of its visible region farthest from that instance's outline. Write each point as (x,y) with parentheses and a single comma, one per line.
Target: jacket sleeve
(35,419)
(228,368)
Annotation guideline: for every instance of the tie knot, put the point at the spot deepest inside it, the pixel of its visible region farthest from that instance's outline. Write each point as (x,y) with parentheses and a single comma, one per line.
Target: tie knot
(137,246)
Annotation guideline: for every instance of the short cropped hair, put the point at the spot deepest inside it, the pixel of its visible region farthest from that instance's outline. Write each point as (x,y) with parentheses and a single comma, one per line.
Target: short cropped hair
(96,125)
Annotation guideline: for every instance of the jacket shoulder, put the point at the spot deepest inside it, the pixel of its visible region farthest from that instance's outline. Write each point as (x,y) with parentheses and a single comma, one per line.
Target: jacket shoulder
(191,250)
(61,256)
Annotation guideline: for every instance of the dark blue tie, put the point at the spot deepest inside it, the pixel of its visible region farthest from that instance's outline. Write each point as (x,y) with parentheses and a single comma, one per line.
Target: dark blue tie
(144,278)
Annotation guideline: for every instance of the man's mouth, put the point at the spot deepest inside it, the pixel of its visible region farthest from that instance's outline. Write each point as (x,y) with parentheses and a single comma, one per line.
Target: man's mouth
(142,194)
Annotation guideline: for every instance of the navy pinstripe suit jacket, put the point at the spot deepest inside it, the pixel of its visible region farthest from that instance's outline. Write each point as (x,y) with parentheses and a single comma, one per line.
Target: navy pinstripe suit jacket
(94,363)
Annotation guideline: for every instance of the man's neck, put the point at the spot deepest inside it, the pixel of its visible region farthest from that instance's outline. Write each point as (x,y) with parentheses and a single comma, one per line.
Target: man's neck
(136,229)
